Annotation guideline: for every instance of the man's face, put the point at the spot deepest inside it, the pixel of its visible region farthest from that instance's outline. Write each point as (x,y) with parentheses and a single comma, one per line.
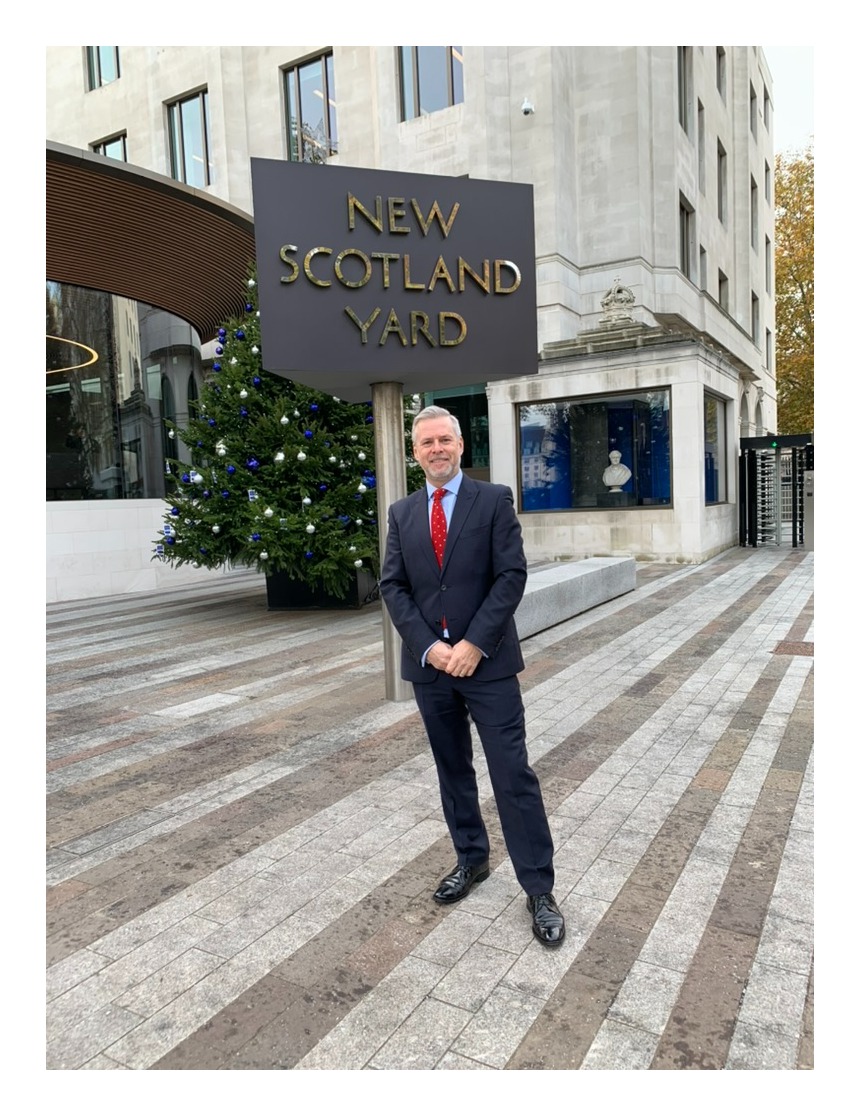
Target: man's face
(437,450)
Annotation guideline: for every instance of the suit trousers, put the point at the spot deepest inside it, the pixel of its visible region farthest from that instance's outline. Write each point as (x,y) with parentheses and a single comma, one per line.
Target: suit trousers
(496,708)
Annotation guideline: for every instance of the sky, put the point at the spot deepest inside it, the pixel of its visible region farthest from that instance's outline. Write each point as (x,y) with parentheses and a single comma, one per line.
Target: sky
(791,68)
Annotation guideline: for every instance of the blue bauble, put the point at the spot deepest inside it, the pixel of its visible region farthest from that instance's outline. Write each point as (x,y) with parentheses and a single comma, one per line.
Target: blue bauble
(315,406)
(253,463)
(224,493)
(243,411)
(239,334)
(248,307)
(323,488)
(309,554)
(369,418)
(212,422)
(174,511)
(203,550)
(216,367)
(206,493)
(219,349)
(186,479)
(257,381)
(231,469)
(309,433)
(256,536)
(170,540)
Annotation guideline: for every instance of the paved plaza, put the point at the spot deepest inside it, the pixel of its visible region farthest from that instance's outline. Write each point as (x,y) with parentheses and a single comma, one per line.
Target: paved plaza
(244,836)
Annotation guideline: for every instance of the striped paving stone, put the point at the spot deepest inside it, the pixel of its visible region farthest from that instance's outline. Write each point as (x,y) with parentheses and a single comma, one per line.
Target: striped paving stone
(276,915)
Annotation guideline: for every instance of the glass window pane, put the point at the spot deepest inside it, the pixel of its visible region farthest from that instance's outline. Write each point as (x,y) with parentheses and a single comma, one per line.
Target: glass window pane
(607,452)
(192,142)
(108,64)
(332,106)
(432,79)
(457,71)
(313,114)
(407,83)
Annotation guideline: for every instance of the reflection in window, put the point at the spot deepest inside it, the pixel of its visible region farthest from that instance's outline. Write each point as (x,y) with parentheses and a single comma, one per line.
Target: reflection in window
(715,450)
(115,370)
(112,148)
(102,65)
(188,129)
(311,110)
(431,78)
(565,449)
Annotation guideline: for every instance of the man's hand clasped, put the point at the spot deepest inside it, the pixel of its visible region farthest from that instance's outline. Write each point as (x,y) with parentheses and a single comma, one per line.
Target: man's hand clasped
(460,661)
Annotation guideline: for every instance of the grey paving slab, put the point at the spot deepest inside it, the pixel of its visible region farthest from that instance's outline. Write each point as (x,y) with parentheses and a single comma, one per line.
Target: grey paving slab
(455,989)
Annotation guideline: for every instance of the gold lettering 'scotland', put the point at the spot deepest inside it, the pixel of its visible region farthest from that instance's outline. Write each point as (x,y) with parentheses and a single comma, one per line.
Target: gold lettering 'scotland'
(290,263)
(440,271)
(309,273)
(368,267)
(498,288)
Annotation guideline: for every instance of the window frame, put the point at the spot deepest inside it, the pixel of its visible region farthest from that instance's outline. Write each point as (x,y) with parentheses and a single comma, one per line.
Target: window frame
(291,87)
(409,80)
(95,66)
(721,445)
(651,484)
(687,239)
(176,136)
(100,147)
(722,183)
(685,87)
(721,72)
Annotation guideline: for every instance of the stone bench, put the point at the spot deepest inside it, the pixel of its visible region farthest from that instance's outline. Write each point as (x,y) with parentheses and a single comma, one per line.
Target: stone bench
(558,592)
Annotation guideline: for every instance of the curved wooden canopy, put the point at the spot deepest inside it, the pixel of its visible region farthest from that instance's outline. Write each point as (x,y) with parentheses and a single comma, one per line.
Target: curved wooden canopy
(118,228)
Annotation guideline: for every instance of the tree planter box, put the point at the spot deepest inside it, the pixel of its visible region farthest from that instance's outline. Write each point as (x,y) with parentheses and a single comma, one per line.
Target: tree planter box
(282,592)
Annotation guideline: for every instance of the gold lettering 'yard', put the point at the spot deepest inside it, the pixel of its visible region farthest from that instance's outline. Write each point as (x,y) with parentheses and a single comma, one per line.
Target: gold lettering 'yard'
(419,326)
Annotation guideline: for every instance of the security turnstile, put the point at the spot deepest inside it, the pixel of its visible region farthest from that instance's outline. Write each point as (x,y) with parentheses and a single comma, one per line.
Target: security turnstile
(772,498)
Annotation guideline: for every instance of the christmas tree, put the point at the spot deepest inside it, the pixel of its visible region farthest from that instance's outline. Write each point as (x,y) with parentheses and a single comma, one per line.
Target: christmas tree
(281,477)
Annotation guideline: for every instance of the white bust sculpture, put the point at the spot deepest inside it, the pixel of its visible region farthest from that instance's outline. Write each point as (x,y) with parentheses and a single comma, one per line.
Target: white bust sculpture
(615,474)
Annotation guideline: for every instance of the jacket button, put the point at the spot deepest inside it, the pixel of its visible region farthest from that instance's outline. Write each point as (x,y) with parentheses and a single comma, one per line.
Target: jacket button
(444,587)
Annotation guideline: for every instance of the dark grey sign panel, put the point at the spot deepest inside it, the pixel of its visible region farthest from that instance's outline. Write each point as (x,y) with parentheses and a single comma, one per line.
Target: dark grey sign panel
(370,276)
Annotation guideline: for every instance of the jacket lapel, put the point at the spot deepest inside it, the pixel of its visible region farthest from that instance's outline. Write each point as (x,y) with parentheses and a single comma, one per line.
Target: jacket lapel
(462,509)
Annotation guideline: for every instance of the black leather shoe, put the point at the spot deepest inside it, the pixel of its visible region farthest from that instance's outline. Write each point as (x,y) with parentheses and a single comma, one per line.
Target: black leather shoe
(547,919)
(457,884)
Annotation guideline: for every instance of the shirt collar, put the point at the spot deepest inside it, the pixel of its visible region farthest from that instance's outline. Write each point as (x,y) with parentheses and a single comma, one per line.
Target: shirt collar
(452,486)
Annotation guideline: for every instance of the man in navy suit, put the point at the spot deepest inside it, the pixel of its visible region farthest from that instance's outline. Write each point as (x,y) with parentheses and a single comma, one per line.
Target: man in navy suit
(453,607)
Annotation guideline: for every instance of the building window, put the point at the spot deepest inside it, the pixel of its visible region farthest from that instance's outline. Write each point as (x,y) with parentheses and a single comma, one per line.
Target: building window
(721,71)
(685,87)
(723,281)
(565,449)
(108,360)
(687,236)
(767,185)
(102,65)
(768,265)
(311,110)
(431,78)
(722,183)
(470,407)
(715,450)
(768,350)
(188,130)
(753,213)
(700,132)
(112,148)
(703,269)
(755,317)
(753,111)
(768,109)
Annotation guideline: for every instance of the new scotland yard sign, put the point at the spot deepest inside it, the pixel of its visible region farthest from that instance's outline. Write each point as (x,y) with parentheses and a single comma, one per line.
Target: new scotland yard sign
(370,276)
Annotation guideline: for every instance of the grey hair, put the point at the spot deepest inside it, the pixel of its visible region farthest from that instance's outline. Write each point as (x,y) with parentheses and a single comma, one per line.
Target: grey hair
(435,413)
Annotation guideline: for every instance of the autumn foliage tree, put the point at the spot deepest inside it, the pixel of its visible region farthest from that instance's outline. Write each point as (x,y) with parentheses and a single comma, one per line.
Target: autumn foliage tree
(794,290)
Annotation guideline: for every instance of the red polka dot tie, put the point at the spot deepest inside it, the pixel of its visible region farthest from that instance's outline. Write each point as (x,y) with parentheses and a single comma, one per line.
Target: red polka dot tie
(438,526)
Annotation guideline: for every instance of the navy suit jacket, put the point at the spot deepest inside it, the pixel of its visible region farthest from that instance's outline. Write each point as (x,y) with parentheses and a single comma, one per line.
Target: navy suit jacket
(477,590)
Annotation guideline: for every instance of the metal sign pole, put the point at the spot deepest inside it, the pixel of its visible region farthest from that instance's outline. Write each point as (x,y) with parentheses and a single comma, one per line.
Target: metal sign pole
(387,401)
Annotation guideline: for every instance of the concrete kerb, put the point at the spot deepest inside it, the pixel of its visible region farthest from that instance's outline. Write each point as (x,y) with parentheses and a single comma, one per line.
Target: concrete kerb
(556,593)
